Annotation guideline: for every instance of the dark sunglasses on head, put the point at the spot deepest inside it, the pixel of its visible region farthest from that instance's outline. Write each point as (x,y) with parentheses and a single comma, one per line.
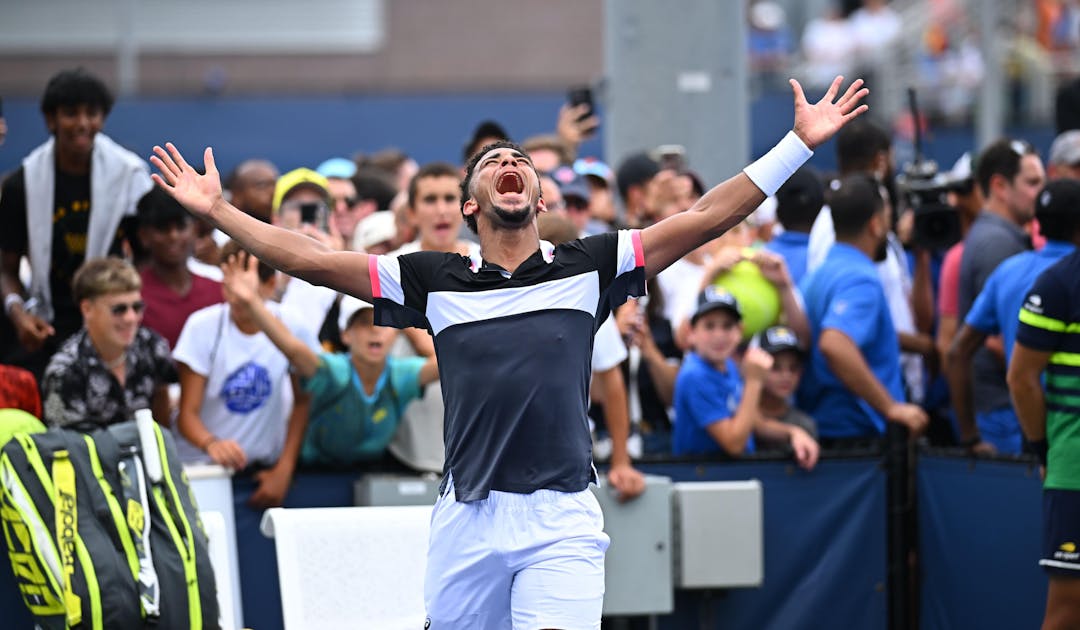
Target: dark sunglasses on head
(119,310)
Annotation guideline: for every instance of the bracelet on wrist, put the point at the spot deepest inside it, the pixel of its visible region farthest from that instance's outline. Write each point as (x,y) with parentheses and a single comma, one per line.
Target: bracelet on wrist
(11,300)
(1039,448)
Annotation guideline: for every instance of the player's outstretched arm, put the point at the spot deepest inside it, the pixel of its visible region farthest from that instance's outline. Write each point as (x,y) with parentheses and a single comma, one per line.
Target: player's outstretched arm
(296,254)
(730,202)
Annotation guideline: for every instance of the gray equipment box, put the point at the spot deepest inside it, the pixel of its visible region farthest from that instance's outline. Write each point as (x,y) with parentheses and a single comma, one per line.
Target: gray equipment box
(395,490)
(718,535)
(637,569)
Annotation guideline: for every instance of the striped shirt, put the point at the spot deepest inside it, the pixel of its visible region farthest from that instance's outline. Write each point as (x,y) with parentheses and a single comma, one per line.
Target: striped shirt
(1050,322)
(514,353)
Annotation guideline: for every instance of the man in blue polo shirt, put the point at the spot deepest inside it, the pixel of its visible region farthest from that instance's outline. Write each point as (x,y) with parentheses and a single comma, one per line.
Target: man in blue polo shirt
(516,536)
(852,385)
(798,203)
(994,313)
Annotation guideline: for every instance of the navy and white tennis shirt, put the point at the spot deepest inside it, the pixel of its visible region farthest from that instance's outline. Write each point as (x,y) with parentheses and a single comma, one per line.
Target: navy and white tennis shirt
(514,353)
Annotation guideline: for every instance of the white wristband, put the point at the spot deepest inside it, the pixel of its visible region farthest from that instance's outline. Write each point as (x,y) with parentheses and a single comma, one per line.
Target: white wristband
(10,301)
(771,170)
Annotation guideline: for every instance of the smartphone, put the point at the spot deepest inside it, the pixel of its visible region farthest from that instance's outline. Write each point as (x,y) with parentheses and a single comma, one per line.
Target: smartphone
(671,156)
(581,95)
(313,213)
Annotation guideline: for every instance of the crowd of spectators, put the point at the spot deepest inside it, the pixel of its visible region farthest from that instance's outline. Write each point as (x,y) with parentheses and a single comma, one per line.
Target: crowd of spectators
(810,326)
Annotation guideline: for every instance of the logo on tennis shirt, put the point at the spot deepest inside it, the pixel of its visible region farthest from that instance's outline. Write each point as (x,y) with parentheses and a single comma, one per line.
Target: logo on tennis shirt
(1034,304)
(1067,551)
(247,388)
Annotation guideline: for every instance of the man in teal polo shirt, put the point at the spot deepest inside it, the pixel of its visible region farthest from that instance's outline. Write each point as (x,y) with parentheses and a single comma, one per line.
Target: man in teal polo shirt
(852,385)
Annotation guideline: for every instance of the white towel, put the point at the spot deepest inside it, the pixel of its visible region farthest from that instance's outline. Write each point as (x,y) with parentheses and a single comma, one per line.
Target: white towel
(118,179)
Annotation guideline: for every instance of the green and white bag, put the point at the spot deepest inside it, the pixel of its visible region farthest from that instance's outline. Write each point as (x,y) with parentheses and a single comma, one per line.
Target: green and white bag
(95,541)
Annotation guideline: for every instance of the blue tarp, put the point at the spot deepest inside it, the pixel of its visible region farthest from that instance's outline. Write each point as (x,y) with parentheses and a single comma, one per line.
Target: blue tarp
(980,527)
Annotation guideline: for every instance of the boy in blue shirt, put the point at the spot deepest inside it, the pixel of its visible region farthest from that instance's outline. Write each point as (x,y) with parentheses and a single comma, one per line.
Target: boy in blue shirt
(716,408)
(356,397)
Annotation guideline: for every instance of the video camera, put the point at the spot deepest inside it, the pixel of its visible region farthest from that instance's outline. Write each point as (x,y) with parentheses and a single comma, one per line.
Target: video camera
(925,189)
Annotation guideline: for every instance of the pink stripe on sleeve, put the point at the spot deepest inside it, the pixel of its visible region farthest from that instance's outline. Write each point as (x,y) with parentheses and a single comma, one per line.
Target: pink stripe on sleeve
(639,251)
(373,273)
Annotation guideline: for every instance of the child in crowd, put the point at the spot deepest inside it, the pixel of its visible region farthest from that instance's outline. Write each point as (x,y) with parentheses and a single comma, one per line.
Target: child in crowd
(239,406)
(717,410)
(356,397)
(778,389)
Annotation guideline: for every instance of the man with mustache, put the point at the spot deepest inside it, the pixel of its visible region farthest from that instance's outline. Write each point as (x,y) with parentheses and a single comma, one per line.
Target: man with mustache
(516,536)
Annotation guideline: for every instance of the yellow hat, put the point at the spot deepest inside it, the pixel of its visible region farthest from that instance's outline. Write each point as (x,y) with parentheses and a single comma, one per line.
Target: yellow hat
(298,177)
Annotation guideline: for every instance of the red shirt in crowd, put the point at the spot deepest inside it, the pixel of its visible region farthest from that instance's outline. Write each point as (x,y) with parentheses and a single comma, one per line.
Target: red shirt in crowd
(166,311)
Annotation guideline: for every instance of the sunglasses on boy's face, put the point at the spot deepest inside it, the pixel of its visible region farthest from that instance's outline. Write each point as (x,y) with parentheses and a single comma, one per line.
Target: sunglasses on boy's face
(121,309)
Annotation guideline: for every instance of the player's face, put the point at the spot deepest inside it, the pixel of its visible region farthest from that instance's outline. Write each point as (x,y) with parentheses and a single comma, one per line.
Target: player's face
(782,380)
(437,214)
(715,335)
(506,189)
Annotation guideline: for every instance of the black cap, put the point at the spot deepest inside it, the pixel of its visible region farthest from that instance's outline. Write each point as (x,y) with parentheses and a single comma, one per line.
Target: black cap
(800,198)
(777,339)
(1060,196)
(714,298)
(635,169)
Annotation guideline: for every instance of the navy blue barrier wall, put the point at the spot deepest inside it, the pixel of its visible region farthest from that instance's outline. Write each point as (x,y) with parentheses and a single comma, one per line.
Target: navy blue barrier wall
(825,551)
(980,532)
(825,547)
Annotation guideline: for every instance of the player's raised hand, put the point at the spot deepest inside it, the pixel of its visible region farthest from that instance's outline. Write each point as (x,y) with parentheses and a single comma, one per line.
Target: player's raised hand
(817,122)
(197,193)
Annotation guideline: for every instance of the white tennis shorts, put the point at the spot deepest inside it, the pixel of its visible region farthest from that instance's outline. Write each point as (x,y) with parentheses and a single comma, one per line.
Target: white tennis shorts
(521,561)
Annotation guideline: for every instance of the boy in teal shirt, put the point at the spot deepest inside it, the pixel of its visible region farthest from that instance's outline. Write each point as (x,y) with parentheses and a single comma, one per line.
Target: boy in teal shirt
(356,397)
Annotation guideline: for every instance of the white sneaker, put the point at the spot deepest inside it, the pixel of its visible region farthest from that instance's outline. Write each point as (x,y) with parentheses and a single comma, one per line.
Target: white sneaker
(635,446)
(602,449)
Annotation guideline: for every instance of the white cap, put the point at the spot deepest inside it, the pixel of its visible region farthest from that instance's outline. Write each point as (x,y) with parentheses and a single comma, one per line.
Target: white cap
(374,229)
(349,307)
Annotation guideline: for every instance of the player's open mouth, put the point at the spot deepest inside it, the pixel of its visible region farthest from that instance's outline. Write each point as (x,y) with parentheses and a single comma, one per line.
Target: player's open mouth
(509,182)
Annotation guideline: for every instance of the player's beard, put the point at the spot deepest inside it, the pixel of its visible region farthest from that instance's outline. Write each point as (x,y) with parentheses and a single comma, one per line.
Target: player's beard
(513,218)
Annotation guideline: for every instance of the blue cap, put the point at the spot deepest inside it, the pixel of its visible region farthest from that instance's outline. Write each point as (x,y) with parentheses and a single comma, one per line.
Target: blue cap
(595,168)
(571,184)
(338,168)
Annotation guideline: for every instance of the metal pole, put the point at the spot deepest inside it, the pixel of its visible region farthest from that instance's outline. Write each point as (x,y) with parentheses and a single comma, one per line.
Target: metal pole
(682,81)
(990,112)
(127,48)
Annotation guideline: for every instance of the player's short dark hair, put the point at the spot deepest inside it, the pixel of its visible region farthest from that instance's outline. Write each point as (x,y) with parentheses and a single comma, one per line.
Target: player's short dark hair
(854,200)
(466,181)
(1003,158)
(431,169)
(70,88)
(858,144)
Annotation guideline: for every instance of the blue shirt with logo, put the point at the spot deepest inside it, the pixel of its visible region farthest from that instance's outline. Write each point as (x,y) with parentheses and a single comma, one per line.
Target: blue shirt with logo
(793,247)
(347,425)
(845,294)
(704,395)
(997,308)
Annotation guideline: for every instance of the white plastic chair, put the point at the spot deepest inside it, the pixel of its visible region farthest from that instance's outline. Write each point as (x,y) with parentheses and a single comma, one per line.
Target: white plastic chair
(350,567)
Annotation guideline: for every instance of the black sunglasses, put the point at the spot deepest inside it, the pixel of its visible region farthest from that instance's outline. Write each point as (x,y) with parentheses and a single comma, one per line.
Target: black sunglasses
(119,310)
